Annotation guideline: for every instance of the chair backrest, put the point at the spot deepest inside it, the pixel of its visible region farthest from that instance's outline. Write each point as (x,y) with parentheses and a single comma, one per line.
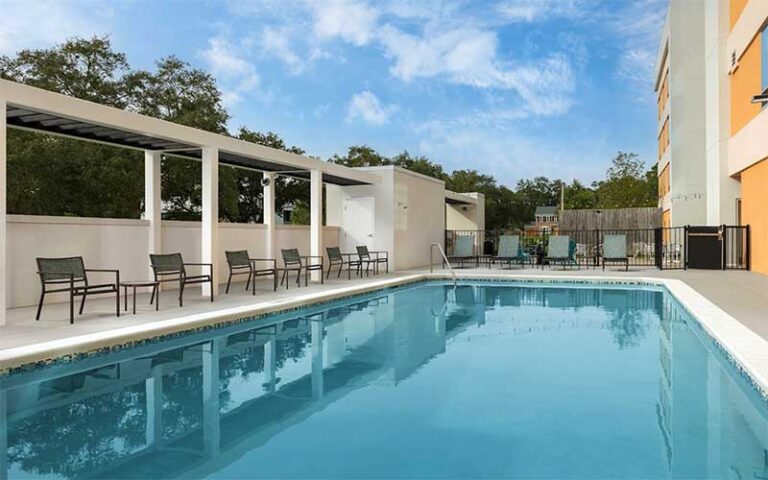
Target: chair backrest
(465,246)
(558,246)
(615,246)
(362,252)
(334,253)
(166,263)
(238,258)
(63,268)
(291,256)
(509,246)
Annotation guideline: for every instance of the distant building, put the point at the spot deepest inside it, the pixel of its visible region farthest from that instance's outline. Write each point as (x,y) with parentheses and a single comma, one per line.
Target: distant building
(546,221)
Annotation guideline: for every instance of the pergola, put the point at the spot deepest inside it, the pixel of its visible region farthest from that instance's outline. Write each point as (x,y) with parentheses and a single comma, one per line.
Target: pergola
(39,110)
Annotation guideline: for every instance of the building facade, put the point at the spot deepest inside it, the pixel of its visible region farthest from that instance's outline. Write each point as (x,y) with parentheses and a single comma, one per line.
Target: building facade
(546,221)
(691,84)
(711,82)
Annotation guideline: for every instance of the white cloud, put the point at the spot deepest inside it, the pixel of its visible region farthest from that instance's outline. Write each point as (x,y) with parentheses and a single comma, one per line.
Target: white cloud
(41,24)
(276,42)
(535,10)
(351,20)
(367,107)
(237,75)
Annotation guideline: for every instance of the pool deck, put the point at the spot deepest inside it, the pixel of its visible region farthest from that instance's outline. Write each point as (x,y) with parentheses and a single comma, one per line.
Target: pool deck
(741,295)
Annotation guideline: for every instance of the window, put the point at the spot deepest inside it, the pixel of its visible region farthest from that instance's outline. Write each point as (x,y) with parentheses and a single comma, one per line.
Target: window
(764,61)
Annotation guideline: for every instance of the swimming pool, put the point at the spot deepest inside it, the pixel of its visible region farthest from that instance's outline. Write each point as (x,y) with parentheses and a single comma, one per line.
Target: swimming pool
(484,380)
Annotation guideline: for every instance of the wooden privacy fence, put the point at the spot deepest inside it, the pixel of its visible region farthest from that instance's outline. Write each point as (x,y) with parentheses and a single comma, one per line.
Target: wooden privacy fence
(611,219)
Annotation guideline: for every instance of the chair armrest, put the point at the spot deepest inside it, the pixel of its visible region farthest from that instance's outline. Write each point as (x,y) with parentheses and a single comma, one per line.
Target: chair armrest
(264,260)
(312,256)
(379,252)
(106,270)
(186,264)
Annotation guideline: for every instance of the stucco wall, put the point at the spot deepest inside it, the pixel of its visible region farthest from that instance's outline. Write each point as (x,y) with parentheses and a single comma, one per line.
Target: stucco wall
(754,213)
(123,244)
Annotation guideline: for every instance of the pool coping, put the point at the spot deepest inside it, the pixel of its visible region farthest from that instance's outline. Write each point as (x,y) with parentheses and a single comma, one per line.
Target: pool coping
(746,349)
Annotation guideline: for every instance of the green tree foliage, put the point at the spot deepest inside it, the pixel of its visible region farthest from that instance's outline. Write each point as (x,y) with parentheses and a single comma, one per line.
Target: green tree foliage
(58,176)
(628,184)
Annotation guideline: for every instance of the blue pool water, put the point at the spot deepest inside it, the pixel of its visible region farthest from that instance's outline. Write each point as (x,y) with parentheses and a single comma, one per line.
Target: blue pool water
(487,380)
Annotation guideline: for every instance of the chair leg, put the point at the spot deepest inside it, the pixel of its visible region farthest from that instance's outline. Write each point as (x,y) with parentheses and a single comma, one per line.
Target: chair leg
(328,273)
(151,298)
(181,294)
(341,267)
(117,300)
(82,303)
(229,280)
(248,282)
(40,305)
(211,282)
(72,305)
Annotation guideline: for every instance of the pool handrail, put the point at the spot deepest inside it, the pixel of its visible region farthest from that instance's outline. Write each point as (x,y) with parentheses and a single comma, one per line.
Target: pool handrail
(445,260)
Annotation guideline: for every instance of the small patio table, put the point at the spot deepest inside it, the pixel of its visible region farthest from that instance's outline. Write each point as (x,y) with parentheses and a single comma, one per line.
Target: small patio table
(134,284)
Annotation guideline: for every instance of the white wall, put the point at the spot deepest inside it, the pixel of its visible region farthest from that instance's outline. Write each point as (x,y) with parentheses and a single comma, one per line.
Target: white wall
(123,244)
(466,217)
(409,213)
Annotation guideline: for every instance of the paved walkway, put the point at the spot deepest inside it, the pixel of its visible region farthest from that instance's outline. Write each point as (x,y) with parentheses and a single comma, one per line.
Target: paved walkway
(744,295)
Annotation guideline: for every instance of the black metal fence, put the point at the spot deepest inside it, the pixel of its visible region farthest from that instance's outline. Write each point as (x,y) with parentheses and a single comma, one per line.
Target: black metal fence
(664,248)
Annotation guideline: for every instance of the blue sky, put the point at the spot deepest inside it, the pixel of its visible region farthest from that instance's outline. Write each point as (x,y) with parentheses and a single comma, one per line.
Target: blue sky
(514,88)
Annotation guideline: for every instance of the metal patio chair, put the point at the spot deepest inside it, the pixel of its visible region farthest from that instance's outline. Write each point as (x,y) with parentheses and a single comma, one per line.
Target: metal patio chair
(335,257)
(240,263)
(170,267)
(70,274)
(372,257)
(295,262)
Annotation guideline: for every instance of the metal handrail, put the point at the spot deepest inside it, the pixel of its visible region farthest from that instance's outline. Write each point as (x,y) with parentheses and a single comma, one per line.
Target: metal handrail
(445,260)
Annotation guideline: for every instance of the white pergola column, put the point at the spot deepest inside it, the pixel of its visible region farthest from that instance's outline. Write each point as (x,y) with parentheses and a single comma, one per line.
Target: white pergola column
(269,215)
(211,412)
(153,201)
(210,230)
(154,394)
(3,210)
(316,218)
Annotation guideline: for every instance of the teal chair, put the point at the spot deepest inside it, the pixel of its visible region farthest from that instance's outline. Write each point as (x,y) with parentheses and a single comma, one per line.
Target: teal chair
(464,251)
(561,250)
(510,250)
(615,250)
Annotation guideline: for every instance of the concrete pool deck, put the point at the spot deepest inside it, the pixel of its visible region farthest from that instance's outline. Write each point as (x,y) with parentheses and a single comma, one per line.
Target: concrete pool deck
(741,295)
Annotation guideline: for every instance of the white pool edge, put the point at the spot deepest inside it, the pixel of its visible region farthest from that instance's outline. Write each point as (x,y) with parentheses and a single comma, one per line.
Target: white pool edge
(745,347)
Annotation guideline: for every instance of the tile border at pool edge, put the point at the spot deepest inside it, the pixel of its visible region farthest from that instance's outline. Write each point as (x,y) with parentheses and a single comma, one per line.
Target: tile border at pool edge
(744,348)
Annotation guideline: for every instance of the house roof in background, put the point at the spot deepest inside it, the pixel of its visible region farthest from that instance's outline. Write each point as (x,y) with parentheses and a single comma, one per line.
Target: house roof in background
(548,210)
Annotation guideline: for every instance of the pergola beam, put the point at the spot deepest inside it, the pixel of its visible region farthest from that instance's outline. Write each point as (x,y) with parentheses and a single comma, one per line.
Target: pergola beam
(316,218)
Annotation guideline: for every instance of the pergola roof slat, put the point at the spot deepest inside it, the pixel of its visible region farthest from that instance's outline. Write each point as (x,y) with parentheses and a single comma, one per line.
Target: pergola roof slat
(35,109)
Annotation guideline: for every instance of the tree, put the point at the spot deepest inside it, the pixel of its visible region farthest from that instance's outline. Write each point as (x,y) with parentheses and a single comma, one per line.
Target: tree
(626,185)
(578,196)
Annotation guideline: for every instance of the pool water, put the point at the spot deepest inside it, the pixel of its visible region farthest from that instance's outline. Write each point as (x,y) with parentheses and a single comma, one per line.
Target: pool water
(426,381)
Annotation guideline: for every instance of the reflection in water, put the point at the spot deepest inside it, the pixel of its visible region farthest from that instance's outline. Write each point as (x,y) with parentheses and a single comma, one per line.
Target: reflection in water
(511,376)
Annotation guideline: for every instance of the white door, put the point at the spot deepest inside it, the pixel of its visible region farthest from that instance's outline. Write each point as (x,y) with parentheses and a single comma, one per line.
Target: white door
(357,221)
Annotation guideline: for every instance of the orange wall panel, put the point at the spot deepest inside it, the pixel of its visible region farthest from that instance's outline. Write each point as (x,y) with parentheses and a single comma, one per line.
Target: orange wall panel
(754,212)
(664,181)
(736,7)
(746,82)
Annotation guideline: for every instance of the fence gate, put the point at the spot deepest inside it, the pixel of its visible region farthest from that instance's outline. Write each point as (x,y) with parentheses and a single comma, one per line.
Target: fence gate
(705,247)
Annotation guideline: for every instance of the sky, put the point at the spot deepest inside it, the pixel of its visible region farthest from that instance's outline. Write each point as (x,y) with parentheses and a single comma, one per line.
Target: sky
(512,88)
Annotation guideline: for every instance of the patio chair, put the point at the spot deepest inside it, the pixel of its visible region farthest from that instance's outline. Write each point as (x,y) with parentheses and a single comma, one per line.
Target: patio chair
(372,257)
(509,250)
(335,257)
(464,250)
(561,250)
(240,263)
(615,250)
(70,274)
(170,267)
(295,262)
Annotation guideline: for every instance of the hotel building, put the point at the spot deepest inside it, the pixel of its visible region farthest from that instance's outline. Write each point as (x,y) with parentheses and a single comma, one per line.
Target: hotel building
(711,69)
